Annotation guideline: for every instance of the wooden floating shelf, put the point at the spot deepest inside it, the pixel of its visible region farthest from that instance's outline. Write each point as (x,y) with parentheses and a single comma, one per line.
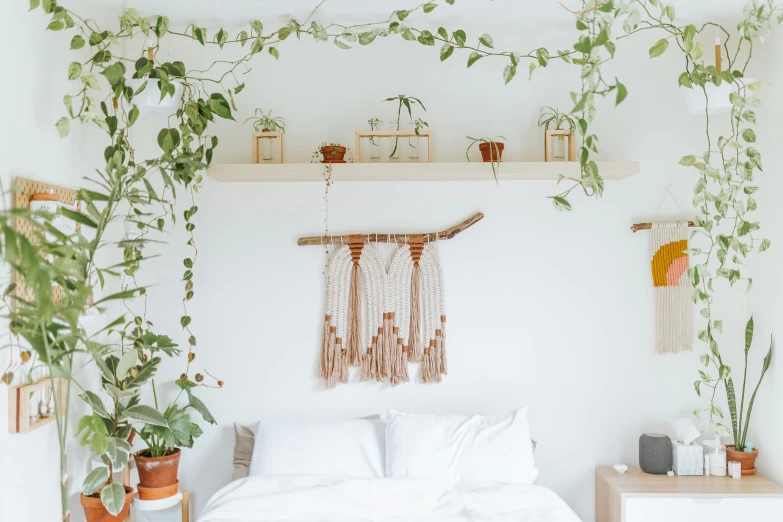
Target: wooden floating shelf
(465,171)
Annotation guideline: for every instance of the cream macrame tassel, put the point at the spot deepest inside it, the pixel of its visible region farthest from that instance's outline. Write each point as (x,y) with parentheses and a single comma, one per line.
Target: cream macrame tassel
(322,368)
(367,369)
(332,359)
(377,353)
(343,358)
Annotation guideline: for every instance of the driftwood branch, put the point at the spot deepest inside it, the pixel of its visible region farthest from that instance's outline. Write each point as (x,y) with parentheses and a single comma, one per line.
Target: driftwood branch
(386,237)
(647,226)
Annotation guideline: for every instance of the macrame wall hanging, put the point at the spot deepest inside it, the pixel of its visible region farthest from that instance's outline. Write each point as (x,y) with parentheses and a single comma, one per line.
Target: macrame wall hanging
(669,263)
(381,320)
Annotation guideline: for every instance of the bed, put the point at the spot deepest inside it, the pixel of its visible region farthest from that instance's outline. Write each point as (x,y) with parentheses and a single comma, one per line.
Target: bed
(327,499)
(404,467)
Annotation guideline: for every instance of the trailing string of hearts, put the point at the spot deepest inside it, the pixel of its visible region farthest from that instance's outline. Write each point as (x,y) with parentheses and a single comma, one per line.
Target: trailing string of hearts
(378,320)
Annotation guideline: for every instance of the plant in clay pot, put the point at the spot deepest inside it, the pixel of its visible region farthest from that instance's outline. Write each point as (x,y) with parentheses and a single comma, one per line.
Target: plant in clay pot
(158,464)
(107,430)
(331,152)
(491,151)
(741,451)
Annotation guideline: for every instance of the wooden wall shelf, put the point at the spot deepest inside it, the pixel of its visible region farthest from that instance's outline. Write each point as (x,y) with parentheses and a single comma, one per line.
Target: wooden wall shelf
(464,171)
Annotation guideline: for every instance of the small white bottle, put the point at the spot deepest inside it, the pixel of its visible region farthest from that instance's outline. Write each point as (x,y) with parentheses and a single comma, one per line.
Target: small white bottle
(706,464)
(717,458)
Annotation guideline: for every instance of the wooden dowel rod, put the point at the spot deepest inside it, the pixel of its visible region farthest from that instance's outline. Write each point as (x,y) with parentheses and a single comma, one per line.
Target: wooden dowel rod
(647,226)
(387,237)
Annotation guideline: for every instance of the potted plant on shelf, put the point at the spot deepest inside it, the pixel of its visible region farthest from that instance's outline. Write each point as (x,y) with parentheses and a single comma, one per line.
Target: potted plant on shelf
(107,431)
(559,142)
(743,451)
(166,433)
(267,128)
(491,151)
(407,102)
(331,152)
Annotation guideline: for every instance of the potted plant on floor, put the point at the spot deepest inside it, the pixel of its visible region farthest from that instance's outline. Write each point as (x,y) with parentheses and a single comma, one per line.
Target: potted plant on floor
(107,429)
(743,451)
(491,151)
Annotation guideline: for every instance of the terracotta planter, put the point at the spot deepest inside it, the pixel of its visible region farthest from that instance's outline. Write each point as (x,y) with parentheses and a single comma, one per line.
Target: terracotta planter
(747,459)
(491,151)
(333,154)
(95,512)
(157,472)
(158,493)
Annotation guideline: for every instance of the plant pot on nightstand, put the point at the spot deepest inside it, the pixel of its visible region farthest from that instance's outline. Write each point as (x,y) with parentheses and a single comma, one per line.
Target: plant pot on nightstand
(747,459)
(157,472)
(94,510)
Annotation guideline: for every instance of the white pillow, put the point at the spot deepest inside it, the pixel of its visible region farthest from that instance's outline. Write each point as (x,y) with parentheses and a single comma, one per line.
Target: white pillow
(346,448)
(461,448)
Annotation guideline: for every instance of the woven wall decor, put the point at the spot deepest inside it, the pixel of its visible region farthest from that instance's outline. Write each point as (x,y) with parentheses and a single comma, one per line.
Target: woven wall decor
(379,320)
(668,242)
(402,311)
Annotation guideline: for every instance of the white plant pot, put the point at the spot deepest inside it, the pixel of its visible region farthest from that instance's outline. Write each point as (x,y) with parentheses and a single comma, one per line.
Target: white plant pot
(717,95)
(149,101)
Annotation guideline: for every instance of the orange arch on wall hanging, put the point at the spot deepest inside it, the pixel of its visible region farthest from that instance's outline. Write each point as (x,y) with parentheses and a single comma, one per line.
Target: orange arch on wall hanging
(669,263)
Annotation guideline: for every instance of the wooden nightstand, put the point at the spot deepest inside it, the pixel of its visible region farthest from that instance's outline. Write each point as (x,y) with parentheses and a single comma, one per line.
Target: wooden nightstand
(639,497)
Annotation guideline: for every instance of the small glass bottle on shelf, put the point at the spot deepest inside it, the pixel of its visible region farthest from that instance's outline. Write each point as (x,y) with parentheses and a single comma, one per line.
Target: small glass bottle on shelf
(375,147)
(394,142)
(413,145)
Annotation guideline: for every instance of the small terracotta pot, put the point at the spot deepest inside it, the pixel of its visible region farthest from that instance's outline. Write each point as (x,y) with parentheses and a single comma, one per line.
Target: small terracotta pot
(157,493)
(333,154)
(491,151)
(95,512)
(747,459)
(157,472)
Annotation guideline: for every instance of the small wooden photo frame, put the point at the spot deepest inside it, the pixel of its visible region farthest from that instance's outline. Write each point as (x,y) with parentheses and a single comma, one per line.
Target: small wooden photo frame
(553,151)
(277,156)
(391,134)
(31,406)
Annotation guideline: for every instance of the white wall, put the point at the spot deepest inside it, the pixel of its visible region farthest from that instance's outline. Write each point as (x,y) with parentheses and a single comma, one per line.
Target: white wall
(553,310)
(547,309)
(765,304)
(36,67)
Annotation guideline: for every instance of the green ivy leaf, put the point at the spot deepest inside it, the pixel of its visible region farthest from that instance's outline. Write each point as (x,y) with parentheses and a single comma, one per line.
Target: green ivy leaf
(622,92)
(273,51)
(460,37)
(426,38)
(341,44)
(445,51)
(509,72)
(688,161)
(473,58)
(34,4)
(561,204)
(748,135)
(765,244)
(659,48)
(368,37)
(486,40)
(429,7)
(77,42)
(543,57)
(63,126)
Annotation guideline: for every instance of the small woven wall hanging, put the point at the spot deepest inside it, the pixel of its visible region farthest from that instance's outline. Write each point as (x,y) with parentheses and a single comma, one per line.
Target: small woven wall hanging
(668,242)
(379,320)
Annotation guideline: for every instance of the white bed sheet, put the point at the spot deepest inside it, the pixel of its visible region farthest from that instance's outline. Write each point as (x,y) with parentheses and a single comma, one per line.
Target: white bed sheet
(333,499)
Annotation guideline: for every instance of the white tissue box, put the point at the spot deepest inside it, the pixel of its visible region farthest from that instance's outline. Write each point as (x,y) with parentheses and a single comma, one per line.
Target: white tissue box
(687,459)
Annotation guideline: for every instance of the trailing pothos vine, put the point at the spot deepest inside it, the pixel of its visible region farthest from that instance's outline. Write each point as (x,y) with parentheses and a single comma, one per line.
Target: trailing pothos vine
(105,96)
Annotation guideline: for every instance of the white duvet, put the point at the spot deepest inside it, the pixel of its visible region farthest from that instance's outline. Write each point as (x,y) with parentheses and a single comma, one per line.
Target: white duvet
(318,498)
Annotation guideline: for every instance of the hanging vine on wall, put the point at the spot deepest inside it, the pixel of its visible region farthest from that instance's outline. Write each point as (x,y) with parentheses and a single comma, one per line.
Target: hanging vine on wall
(723,193)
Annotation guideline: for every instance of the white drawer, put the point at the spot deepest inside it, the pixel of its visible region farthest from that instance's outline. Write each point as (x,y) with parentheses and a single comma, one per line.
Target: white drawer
(681,509)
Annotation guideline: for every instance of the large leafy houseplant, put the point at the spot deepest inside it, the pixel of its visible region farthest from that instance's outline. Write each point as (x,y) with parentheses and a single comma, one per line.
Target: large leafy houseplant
(127,187)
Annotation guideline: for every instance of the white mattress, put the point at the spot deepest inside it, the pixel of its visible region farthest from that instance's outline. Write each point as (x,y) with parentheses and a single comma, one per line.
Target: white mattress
(319,498)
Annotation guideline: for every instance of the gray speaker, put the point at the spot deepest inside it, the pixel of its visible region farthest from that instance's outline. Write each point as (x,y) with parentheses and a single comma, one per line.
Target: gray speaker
(655,453)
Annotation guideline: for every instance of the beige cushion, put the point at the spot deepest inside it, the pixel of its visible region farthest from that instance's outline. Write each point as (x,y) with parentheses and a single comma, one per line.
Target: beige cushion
(243,448)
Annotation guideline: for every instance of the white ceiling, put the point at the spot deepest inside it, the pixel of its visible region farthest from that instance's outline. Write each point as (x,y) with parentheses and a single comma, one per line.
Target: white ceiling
(495,12)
